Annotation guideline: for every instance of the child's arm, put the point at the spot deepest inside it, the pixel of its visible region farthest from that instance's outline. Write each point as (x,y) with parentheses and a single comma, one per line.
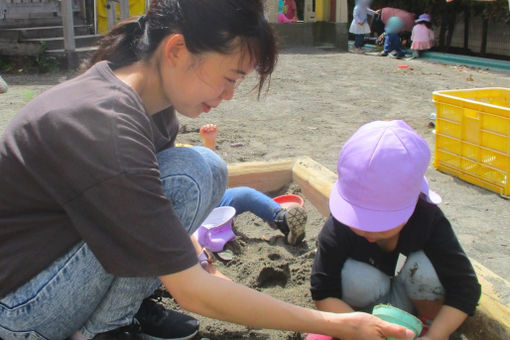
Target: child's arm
(462,290)
(326,279)
(334,305)
(445,323)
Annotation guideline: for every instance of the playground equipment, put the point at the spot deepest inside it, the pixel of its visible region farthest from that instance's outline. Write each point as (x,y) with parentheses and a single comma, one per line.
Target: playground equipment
(109,12)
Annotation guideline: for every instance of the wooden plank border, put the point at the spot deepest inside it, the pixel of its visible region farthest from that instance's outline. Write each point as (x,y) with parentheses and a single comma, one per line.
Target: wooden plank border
(263,176)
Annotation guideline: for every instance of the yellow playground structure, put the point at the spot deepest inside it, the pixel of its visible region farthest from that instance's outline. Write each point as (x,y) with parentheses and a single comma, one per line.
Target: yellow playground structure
(136,8)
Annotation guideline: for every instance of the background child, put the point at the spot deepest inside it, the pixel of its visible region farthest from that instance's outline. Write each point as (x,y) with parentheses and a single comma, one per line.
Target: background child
(282,10)
(422,35)
(291,221)
(383,214)
(291,10)
(392,40)
(359,26)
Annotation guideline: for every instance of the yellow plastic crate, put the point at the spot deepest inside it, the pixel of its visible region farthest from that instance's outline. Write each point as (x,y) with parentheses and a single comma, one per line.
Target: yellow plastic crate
(473,136)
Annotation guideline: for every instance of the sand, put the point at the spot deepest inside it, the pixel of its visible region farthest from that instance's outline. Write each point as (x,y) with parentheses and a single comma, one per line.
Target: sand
(316,100)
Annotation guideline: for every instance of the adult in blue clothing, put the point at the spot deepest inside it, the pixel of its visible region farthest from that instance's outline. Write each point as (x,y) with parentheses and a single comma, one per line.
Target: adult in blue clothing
(392,41)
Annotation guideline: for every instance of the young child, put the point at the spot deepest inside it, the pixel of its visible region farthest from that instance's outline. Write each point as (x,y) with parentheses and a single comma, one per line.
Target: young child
(422,35)
(291,221)
(386,240)
(282,10)
(359,26)
(392,40)
(291,10)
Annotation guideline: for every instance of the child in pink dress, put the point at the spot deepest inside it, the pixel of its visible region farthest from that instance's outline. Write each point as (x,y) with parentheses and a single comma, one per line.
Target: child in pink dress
(422,35)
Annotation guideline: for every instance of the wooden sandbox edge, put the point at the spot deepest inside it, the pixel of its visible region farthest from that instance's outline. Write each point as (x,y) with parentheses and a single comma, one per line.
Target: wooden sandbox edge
(263,176)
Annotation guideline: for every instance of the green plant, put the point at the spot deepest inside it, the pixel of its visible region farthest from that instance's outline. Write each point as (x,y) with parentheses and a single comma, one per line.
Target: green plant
(28,95)
(46,63)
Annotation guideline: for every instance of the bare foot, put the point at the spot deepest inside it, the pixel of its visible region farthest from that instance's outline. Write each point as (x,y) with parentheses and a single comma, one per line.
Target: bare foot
(209,132)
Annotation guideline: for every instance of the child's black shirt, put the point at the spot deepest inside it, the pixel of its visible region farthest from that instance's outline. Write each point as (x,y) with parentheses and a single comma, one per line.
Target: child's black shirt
(427,230)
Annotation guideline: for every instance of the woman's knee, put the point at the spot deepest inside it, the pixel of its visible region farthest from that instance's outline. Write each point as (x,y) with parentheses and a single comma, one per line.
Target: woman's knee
(216,164)
(420,278)
(194,180)
(198,164)
(362,284)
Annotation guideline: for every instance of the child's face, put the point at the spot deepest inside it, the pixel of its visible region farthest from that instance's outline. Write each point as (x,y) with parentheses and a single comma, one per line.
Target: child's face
(373,237)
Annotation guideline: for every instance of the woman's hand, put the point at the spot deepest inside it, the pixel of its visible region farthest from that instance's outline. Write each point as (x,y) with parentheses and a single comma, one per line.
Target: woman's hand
(365,326)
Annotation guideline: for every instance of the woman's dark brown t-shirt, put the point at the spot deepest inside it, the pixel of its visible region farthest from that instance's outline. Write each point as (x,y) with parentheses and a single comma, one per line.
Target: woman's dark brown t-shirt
(79,163)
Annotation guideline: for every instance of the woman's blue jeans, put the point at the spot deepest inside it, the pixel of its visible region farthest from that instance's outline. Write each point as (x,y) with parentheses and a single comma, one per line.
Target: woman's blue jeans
(248,199)
(75,293)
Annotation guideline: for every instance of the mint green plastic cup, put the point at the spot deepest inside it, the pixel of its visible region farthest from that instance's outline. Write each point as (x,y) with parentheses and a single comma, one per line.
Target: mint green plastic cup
(398,316)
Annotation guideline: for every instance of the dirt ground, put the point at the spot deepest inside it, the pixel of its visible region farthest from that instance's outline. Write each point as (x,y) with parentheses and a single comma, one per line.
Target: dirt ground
(317,99)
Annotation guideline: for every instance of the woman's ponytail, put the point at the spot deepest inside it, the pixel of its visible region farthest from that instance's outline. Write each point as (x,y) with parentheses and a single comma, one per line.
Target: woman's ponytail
(123,45)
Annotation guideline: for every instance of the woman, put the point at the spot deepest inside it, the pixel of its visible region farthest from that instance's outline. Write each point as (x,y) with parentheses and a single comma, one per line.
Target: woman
(96,206)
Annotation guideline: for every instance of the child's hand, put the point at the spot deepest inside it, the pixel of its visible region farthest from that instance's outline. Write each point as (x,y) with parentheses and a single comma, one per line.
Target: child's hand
(209,132)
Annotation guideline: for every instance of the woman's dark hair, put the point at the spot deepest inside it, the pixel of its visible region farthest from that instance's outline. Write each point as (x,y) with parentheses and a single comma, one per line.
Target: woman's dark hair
(207,26)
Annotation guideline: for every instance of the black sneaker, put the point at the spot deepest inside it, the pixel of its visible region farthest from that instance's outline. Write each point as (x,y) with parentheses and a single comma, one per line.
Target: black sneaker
(130,332)
(155,322)
(291,223)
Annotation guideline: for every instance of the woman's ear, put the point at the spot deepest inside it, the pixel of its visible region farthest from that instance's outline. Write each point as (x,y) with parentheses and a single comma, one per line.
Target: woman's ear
(175,51)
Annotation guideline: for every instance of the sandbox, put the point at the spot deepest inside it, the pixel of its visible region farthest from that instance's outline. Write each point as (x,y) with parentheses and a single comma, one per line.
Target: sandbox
(264,262)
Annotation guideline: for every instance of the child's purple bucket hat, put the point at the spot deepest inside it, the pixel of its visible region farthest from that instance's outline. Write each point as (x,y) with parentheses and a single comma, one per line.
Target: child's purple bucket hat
(423,17)
(381,172)
(216,230)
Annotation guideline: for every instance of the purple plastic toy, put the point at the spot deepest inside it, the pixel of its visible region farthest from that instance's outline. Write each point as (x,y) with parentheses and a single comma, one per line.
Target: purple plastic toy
(216,230)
